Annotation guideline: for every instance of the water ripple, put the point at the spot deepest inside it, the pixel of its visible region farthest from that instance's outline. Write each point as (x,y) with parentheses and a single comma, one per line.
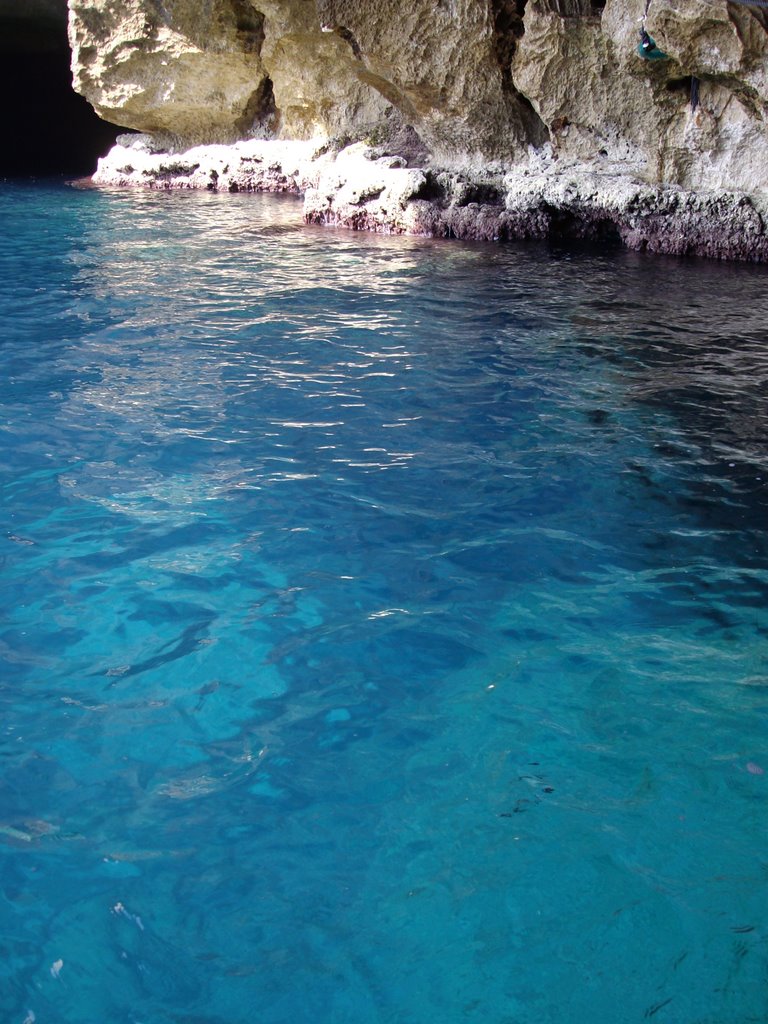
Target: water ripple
(383,622)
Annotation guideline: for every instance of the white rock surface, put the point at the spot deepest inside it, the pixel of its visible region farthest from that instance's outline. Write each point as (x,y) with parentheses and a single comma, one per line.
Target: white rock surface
(252,165)
(543,197)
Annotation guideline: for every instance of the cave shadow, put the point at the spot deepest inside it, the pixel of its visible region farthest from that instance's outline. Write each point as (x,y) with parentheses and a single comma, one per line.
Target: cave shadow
(49,129)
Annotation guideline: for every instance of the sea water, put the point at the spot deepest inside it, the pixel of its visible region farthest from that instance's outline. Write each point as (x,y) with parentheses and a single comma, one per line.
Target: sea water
(384,634)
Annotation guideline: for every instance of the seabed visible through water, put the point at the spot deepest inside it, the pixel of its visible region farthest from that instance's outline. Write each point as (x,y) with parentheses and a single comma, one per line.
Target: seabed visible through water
(384,624)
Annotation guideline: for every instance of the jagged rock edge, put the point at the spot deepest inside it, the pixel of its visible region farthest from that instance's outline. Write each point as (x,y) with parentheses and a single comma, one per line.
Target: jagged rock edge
(357,189)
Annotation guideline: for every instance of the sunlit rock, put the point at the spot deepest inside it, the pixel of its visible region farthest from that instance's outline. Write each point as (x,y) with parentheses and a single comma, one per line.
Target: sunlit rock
(434,107)
(252,165)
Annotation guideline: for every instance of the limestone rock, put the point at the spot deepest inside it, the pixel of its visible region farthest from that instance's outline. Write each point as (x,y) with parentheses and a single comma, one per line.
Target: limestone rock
(446,99)
(252,165)
(177,69)
(313,72)
(366,194)
(578,63)
(543,199)
(444,66)
(477,81)
(189,72)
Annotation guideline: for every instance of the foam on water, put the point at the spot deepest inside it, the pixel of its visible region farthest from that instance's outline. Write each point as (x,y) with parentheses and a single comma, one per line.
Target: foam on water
(384,624)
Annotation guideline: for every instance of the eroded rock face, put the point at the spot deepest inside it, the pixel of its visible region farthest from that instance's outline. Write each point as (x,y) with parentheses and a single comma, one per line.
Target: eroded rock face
(361,189)
(540,199)
(477,81)
(473,89)
(180,70)
(313,71)
(251,165)
(599,98)
(196,71)
(193,71)
(445,65)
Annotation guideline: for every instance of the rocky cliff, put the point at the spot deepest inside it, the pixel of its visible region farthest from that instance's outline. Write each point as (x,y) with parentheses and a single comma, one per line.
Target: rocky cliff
(490,99)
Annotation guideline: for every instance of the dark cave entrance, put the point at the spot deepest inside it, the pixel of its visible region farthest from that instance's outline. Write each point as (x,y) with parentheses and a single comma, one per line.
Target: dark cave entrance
(48,129)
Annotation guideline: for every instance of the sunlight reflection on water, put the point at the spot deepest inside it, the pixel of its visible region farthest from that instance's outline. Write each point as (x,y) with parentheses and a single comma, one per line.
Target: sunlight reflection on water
(384,623)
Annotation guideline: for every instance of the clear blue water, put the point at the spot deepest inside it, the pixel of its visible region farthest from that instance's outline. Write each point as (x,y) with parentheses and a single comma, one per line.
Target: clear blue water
(384,625)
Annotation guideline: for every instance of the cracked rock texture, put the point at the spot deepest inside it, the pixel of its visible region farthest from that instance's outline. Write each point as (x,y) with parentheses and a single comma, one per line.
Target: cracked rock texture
(541,199)
(196,71)
(478,81)
(472,89)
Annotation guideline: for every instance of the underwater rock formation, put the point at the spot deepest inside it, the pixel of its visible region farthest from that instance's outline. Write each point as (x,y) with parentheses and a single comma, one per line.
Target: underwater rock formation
(479,95)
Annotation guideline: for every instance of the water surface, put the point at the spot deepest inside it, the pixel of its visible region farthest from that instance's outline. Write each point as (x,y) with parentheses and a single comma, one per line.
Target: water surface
(383,624)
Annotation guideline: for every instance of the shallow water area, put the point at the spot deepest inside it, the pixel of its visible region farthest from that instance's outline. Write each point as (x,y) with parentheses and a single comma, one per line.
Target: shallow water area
(383,624)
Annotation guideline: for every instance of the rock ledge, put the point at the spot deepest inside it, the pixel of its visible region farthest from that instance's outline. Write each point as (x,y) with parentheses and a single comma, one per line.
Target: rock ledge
(360,189)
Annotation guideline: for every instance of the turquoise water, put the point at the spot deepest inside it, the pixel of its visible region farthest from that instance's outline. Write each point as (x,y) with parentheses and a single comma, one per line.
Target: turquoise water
(384,634)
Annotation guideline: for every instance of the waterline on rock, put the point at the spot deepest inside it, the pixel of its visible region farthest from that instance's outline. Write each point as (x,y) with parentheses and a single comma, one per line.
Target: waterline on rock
(363,187)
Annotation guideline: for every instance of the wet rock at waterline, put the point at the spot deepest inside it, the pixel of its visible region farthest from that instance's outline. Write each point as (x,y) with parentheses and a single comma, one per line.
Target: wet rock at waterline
(542,198)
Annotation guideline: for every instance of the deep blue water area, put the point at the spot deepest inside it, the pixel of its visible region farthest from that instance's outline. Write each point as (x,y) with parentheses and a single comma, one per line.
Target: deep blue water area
(384,624)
